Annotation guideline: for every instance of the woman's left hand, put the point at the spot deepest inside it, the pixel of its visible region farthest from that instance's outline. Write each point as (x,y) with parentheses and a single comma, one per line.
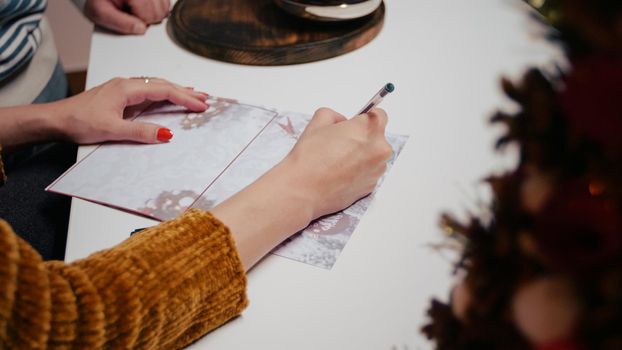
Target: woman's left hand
(96,115)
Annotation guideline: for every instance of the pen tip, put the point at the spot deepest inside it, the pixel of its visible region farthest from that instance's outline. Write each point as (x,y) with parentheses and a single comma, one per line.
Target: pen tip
(389,87)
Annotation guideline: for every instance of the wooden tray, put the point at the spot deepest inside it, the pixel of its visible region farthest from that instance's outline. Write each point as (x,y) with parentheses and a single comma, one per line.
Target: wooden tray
(257,32)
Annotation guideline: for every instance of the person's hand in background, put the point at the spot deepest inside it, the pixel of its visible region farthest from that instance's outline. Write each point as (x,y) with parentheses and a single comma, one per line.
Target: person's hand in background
(126,16)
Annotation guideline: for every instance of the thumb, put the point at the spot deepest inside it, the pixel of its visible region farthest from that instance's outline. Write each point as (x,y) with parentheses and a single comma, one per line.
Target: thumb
(323,117)
(108,16)
(142,132)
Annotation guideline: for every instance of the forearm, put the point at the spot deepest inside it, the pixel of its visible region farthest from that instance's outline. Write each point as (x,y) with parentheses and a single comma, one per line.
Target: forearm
(29,124)
(170,284)
(265,213)
(161,289)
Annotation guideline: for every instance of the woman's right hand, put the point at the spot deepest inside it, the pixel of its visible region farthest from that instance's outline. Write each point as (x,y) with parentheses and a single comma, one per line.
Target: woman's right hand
(337,161)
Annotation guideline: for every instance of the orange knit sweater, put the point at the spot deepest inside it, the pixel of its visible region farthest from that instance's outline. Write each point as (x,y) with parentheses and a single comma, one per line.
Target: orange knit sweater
(163,288)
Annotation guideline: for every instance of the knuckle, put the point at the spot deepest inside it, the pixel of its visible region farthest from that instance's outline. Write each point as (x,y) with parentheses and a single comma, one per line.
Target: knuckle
(124,88)
(161,15)
(142,134)
(383,151)
(323,111)
(118,83)
(377,172)
(322,115)
(173,87)
(109,134)
(164,82)
(386,150)
(115,80)
(126,27)
(152,15)
(380,112)
(381,116)
(111,84)
(170,93)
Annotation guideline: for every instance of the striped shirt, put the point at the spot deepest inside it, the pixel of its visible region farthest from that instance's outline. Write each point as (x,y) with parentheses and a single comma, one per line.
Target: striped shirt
(20,34)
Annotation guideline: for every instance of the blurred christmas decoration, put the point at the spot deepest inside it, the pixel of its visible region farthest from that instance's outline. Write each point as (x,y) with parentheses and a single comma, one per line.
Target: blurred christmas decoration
(546,271)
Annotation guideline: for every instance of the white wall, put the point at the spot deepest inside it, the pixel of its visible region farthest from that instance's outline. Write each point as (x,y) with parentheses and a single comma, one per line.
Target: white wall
(72,33)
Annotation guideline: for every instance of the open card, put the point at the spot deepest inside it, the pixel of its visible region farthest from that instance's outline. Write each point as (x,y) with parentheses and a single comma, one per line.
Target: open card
(213,155)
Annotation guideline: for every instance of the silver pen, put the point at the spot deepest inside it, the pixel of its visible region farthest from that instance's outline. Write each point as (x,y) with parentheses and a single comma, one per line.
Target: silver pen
(375,101)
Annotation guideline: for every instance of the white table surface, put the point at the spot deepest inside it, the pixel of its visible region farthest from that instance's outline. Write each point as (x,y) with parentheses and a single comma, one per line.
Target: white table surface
(445,58)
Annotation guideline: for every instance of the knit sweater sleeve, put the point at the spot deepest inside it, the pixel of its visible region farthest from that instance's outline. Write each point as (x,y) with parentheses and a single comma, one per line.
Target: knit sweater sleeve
(163,288)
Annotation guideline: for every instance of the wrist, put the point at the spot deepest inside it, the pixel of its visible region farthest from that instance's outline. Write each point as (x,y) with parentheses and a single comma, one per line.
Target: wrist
(28,124)
(62,119)
(265,213)
(54,120)
(292,190)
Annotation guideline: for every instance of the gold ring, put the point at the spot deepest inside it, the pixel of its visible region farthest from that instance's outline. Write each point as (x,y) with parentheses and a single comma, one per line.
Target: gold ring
(145,79)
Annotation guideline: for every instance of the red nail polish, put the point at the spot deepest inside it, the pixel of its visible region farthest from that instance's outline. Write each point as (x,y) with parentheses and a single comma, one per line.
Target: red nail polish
(164,134)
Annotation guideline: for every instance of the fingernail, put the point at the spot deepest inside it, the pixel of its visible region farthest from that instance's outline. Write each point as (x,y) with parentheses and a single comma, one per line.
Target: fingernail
(139,28)
(164,134)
